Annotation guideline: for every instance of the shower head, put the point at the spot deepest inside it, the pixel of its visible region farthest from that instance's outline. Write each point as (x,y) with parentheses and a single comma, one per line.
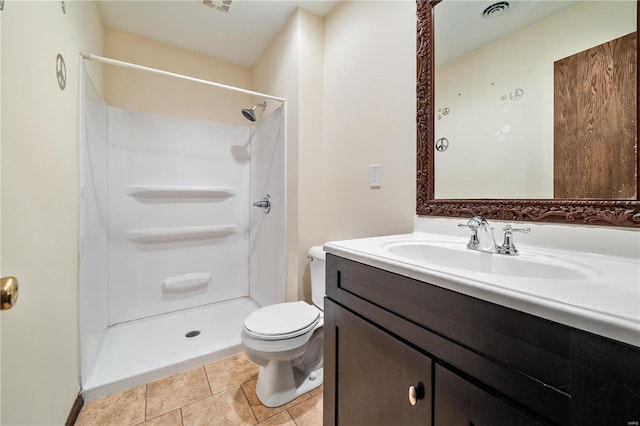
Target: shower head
(249,113)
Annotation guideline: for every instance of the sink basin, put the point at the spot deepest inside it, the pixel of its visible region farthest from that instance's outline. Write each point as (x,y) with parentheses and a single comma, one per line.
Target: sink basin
(592,289)
(451,256)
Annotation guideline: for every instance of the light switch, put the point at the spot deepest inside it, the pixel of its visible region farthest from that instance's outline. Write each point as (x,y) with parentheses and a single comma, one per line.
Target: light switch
(375,177)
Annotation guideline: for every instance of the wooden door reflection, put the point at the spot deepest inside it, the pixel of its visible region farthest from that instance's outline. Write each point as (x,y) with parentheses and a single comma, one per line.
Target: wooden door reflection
(594,122)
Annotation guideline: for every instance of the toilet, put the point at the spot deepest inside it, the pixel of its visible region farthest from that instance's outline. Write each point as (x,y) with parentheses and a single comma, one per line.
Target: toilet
(285,340)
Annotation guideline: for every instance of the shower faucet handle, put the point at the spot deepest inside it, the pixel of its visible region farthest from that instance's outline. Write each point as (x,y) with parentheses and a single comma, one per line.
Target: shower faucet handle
(265,204)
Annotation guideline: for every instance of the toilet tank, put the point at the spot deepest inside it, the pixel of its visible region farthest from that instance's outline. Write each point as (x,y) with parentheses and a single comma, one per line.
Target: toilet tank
(317,260)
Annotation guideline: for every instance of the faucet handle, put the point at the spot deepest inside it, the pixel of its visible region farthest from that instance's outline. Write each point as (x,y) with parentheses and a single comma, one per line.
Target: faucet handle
(509,228)
(508,247)
(473,225)
(476,222)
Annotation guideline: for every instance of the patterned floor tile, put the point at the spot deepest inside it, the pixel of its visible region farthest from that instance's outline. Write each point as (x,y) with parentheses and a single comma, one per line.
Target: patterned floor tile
(124,408)
(230,372)
(308,413)
(282,419)
(174,418)
(187,399)
(225,408)
(176,391)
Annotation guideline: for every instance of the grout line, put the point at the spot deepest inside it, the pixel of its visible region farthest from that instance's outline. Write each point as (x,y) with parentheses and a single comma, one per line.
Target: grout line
(292,418)
(250,406)
(208,381)
(146,400)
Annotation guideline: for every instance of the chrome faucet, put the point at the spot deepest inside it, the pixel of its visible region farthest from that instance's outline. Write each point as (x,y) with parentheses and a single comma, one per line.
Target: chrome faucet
(482,237)
(473,224)
(507,246)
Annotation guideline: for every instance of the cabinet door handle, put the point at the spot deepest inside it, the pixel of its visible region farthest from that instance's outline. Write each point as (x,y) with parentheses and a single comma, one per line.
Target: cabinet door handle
(416,393)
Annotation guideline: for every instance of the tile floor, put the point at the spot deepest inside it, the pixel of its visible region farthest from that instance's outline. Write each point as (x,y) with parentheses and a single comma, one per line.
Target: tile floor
(220,393)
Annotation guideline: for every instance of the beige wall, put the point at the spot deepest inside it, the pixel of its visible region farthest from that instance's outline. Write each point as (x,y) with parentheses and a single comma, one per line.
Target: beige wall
(369,117)
(143,91)
(291,67)
(312,223)
(39,205)
(350,88)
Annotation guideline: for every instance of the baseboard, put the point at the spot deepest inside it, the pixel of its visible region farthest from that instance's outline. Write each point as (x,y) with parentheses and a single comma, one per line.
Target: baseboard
(75,411)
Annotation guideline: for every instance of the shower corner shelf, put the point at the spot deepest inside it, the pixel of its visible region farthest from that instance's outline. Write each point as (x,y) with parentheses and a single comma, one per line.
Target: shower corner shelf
(171,235)
(180,192)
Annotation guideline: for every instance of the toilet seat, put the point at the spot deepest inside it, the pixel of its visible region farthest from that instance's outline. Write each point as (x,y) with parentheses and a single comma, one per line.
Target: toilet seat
(282,321)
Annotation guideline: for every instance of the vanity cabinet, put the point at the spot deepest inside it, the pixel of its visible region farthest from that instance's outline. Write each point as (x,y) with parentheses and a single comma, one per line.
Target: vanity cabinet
(466,361)
(380,371)
(459,402)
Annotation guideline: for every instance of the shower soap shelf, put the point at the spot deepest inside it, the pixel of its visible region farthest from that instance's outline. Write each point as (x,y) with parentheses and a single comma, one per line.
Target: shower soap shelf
(170,235)
(186,282)
(180,192)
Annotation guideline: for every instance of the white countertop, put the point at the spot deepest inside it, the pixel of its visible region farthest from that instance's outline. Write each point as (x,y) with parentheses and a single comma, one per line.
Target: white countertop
(602,297)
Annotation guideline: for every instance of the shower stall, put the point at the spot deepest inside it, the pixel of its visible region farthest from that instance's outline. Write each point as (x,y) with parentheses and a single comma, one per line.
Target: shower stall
(173,252)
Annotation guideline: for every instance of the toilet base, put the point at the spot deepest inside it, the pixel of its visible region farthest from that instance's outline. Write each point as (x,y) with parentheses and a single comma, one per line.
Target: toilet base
(278,384)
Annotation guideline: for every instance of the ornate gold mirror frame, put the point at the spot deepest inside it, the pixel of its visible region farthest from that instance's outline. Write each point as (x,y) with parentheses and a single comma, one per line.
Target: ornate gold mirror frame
(570,211)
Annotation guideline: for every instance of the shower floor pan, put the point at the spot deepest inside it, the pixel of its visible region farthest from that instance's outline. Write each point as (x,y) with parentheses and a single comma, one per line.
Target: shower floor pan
(142,351)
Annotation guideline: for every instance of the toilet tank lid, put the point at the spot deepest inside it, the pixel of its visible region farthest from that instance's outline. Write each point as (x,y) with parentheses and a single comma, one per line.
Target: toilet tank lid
(318,253)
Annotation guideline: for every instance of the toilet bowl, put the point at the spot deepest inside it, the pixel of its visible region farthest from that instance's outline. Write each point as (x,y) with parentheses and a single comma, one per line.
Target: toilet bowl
(285,340)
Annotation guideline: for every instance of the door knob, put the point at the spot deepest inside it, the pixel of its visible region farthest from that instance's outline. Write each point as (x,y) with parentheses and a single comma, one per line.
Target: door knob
(416,393)
(9,292)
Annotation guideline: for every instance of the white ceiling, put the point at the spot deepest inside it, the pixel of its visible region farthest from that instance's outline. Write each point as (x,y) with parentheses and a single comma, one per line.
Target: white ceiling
(239,35)
(460,27)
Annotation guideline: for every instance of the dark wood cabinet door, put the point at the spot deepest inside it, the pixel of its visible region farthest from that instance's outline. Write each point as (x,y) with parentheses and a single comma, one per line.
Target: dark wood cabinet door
(374,374)
(460,403)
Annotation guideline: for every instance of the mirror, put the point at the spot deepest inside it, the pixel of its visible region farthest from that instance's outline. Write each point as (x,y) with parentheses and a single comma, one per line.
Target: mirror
(475,132)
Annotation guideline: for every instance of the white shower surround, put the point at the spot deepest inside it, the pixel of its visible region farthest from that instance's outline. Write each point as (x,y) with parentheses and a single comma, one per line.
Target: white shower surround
(169,242)
(158,151)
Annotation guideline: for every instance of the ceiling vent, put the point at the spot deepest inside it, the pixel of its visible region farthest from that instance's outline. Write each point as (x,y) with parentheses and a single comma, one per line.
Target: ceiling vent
(496,9)
(221,5)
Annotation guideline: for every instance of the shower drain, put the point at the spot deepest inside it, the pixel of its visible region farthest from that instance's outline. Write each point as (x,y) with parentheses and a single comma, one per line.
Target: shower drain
(192,333)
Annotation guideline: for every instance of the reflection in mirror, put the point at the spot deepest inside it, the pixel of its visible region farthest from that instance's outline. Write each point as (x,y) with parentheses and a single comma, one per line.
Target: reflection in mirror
(535,100)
